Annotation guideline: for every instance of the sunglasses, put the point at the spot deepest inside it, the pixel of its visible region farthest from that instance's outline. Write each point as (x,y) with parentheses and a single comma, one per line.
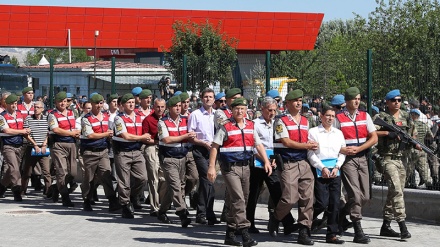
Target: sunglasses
(396,100)
(222,101)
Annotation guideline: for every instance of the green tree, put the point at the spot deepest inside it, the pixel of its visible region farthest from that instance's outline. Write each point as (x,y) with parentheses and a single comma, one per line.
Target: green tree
(14,61)
(59,55)
(211,54)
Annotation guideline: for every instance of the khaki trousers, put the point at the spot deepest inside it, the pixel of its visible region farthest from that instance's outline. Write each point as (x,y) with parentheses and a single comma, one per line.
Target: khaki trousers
(174,172)
(64,159)
(157,187)
(297,185)
(12,156)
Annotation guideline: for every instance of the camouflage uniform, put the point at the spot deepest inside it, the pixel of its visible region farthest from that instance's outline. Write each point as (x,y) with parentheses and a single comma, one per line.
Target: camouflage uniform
(418,158)
(393,168)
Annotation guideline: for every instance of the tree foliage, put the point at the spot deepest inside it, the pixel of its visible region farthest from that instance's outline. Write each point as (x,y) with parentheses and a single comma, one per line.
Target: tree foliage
(59,55)
(211,54)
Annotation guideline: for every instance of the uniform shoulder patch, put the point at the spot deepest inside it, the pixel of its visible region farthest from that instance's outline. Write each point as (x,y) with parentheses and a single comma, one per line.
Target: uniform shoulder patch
(2,122)
(279,128)
(118,126)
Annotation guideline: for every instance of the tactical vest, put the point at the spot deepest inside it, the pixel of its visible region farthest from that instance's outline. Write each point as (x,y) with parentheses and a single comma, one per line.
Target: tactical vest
(134,128)
(175,150)
(240,143)
(97,127)
(24,112)
(298,133)
(13,123)
(391,146)
(422,129)
(355,132)
(65,123)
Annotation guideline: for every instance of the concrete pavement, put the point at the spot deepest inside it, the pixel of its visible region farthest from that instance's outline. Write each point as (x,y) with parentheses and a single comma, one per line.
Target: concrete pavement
(39,222)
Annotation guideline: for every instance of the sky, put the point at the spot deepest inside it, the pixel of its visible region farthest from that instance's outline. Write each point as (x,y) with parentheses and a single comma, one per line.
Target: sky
(332,9)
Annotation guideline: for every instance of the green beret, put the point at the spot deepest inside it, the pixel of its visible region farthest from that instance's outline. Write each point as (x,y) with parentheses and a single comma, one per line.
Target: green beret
(145,93)
(295,94)
(126,97)
(60,96)
(27,89)
(232,92)
(184,96)
(351,93)
(173,101)
(239,101)
(96,98)
(112,97)
(11,98)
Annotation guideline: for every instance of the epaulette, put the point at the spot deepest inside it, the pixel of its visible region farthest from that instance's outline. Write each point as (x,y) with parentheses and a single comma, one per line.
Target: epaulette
(164,118)
(88,115)
(280,115)
(121,114)
(224,108)
(181,116)
(3,113)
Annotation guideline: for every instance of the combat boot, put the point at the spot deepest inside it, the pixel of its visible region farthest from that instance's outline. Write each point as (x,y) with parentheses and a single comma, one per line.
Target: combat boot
(404,233)
(55,193)
(184,218)
(87,206)
(230,238)
(113,204)
(387,231)
(2,190)
(16,190)
(273,226)
(247,240)
(66,200)
(127,211)
(359,236)
(303,236)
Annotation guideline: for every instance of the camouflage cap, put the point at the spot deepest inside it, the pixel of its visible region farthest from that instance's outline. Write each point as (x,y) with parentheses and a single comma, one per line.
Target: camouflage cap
(126,97)
(173,101)
(60,96)
(145,93)
(183,96)
(295,94)
(11,98)
(232,92)
(96,98)
(351,93)
(239,101)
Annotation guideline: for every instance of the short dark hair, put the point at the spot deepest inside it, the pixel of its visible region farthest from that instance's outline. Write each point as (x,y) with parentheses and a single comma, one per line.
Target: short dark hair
(326,108)
(207,90)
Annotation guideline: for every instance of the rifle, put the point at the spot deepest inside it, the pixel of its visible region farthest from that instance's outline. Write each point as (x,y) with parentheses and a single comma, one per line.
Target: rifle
(404,137)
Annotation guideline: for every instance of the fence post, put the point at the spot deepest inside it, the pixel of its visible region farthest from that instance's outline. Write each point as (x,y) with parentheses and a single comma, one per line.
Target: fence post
(185,72)
(51,84)
(369,79)
(113,78)
(267,71)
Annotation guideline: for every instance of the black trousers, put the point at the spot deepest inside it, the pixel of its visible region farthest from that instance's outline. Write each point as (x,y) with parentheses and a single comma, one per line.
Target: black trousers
(327,196)
(205,205)
(258,176)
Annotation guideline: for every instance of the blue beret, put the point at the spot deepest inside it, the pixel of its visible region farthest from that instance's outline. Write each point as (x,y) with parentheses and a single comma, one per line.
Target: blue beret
(392,94)
(219,96)
(69,95)
(177,93)
(339,99)
(306,105)
(375,108)
(415,111)
(91,95)
(273,94)
(136,91)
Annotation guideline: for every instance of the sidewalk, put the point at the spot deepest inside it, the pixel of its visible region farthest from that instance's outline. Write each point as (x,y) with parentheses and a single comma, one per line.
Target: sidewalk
(39,222)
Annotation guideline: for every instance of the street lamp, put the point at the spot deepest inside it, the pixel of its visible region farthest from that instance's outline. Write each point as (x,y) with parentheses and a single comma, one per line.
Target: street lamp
(94,57)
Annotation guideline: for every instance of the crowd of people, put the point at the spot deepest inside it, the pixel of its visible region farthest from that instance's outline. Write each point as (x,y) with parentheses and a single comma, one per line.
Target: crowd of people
(312,154)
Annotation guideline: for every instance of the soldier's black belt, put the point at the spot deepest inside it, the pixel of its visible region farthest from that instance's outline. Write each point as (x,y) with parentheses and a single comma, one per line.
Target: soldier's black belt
(14,145)
(291,161)
(95,149)
(241,163)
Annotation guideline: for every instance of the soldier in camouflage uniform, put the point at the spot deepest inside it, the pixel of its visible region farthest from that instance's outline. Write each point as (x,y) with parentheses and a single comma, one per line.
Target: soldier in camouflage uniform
(394,172)
(418,158)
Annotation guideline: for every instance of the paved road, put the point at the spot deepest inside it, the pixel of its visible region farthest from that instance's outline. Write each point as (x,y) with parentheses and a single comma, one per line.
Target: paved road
(39,222)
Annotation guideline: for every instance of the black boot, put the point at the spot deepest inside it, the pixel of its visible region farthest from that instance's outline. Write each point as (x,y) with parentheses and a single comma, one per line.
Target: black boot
(230,238)
(404,233)
(127,211)
(359,236)
(247,240)
(66,200)
(273,226)
(17,193)
(55,193)
(113,204)
(163,217)
(37,183)
(387,231)
(184,218)
(87,206)
(2,190)
(303,236)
